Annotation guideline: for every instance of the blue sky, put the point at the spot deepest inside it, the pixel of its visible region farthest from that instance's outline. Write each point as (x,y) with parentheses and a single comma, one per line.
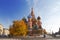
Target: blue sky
(48,10)
(12,10)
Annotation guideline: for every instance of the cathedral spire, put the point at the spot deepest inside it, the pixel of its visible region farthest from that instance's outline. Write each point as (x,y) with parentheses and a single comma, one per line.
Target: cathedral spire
(32,12)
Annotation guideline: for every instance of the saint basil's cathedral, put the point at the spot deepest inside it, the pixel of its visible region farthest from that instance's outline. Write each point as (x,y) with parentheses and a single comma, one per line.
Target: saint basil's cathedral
(35,25)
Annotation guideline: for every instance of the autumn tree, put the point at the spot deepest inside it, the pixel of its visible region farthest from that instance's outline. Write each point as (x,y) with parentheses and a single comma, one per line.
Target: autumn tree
(19,28)
(44,31)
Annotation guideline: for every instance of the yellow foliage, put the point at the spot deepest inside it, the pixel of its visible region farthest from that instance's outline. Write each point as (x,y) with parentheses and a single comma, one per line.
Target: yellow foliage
(44,31)
(19,28)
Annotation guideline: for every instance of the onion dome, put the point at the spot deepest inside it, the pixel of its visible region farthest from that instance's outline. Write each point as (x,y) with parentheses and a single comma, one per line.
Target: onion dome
(29,16)
(38,18)
(24,19)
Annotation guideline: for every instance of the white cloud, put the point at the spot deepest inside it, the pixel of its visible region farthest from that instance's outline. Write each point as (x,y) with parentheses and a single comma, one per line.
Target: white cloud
(53,19)
(52,23)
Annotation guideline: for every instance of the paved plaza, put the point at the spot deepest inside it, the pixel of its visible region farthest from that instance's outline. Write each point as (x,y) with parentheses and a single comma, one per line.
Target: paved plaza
(32,38)
(28,39)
